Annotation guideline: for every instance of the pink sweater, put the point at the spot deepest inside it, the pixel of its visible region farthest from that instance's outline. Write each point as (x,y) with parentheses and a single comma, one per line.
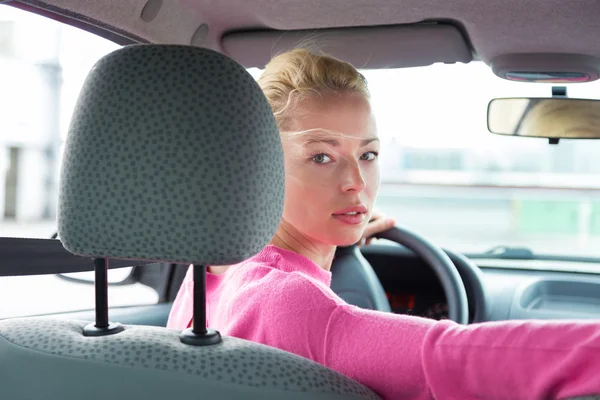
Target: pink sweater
(282,299)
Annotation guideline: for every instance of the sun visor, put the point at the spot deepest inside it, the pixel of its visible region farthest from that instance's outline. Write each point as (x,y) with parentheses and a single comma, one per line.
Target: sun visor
(397,46)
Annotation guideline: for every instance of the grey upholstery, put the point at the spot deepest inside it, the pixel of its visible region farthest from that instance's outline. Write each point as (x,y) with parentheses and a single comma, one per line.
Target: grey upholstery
(170,139)
(54,357)
(173,155)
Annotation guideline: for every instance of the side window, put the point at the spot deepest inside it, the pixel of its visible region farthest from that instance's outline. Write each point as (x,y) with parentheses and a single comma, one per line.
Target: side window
(43,64)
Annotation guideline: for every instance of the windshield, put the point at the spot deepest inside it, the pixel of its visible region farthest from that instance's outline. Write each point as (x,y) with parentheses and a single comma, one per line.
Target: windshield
(445,176)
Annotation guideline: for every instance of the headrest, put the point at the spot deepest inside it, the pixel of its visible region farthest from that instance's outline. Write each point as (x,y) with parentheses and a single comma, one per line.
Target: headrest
(173,154)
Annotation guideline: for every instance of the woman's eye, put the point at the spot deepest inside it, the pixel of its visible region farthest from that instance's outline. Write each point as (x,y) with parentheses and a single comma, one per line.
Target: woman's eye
(369,156)
(321,159)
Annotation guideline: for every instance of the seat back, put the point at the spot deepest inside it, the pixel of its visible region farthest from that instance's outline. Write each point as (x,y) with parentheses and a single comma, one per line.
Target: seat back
(151,122)
(52,359)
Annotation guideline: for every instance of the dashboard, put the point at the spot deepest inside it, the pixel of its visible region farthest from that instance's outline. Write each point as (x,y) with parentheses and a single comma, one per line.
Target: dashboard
(514,289)
(541,294)
(427,306)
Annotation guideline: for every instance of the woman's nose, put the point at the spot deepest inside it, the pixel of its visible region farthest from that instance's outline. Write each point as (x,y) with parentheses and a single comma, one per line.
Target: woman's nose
(353,180)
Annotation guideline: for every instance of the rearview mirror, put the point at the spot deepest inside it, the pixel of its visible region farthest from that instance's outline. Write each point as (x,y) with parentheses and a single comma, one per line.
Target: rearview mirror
(553,118)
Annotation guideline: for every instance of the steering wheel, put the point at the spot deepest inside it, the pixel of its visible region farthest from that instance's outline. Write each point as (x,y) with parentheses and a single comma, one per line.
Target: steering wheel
(354,280)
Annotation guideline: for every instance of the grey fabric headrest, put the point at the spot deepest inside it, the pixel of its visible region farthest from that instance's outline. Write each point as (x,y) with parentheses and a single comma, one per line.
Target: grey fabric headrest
(173,154)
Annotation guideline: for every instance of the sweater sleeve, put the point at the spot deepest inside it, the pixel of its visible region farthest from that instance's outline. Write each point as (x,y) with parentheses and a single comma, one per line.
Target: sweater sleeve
(404,357)
(513,360)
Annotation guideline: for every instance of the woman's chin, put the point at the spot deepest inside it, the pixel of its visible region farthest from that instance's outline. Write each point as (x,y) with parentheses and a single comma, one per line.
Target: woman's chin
(340,237)
(346,240)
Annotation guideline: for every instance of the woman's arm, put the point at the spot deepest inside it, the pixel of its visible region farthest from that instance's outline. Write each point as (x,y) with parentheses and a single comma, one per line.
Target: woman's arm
(514,359)
(383,351)
(380,350)
(406,357)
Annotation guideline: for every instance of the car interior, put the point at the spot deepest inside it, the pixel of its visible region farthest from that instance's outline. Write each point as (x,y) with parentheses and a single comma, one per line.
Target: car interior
(141,131)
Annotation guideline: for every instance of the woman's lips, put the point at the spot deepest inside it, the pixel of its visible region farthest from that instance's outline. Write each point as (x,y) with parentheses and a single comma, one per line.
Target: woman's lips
(350,219)
(352,215)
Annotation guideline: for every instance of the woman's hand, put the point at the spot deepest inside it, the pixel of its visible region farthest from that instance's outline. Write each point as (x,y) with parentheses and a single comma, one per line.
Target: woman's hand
(378,223)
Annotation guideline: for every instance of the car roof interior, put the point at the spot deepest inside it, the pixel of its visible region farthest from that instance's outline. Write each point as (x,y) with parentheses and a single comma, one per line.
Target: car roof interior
(370,34)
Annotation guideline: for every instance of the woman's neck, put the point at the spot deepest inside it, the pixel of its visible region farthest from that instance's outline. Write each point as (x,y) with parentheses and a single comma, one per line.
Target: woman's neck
(290,239)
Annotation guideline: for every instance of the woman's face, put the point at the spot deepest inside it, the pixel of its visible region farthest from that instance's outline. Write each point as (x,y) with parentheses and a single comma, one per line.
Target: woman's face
(332,173)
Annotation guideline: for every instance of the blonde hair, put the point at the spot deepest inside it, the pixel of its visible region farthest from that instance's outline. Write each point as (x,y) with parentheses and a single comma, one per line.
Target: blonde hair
(562,118)
(294,75)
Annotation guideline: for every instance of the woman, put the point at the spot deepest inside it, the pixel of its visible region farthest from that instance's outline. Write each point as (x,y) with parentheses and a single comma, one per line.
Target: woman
(281,296)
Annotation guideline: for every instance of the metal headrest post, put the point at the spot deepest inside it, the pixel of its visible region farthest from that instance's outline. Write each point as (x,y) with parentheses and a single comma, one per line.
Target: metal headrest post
(199,334)
(102,326)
